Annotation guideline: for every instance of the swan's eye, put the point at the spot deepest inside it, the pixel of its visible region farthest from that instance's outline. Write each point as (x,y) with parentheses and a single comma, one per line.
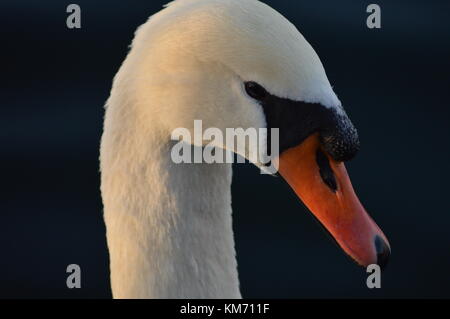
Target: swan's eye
(255,90)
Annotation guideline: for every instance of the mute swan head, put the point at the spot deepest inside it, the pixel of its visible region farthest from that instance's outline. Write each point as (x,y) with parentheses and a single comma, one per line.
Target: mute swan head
(195,56)
(241,64)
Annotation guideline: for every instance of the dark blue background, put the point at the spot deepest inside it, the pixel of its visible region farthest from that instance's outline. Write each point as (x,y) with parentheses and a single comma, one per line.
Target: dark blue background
(394,83)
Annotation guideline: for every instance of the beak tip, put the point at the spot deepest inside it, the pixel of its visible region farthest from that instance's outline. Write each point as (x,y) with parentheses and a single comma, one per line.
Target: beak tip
(383,251)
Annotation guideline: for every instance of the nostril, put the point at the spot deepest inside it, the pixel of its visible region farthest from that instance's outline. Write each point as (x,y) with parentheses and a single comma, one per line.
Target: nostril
(325,170)
(383,251)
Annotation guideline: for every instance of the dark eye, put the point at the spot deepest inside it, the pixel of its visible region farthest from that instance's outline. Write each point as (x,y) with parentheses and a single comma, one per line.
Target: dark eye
(255,90)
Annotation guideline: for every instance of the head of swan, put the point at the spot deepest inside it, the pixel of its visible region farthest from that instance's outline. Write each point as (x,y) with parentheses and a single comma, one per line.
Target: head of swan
(200,60)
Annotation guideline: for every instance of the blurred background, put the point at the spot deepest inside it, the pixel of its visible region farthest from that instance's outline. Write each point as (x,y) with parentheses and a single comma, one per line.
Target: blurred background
(393,82)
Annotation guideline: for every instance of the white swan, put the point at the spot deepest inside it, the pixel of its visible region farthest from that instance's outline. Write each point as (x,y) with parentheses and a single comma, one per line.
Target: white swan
(230,63)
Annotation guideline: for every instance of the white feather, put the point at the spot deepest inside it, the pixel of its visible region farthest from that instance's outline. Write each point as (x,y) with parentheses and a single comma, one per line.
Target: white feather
(169,226)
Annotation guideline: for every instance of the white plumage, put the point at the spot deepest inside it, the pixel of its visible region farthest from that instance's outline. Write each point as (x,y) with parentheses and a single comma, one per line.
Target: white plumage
(169,226)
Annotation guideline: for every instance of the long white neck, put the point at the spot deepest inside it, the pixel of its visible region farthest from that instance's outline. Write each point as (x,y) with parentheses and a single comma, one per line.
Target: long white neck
(169,227)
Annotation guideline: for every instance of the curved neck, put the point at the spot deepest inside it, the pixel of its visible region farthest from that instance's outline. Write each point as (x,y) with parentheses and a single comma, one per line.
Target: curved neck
(169,227)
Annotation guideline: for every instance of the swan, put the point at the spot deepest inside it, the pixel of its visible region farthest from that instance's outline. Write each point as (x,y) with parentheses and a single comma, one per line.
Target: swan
(231,64)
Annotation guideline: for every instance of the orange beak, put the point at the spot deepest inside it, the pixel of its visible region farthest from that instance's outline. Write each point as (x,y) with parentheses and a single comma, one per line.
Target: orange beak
(325,188)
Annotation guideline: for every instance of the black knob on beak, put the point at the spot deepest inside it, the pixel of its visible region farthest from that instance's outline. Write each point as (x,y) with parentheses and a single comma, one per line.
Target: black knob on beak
(339,137)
